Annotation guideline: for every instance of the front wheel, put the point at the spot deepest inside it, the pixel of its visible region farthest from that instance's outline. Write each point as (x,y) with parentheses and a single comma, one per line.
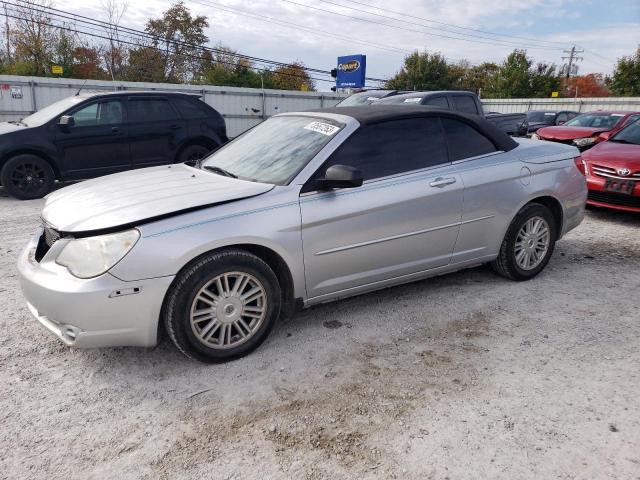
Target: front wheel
(528,244)
(27,176)
(223,306)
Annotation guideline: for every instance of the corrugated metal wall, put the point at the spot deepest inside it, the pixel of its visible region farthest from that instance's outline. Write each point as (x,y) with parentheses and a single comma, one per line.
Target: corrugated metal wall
(518,105)
(243,107)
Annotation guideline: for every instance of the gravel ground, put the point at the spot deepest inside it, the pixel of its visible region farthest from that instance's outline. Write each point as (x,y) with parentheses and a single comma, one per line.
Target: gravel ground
(462,376)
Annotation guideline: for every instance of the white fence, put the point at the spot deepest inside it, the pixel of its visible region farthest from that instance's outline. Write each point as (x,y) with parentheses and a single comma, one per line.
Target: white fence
(518,105)
(243,108)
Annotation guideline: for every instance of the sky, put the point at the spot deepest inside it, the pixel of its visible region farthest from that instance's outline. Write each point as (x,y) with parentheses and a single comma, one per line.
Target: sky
(317,31)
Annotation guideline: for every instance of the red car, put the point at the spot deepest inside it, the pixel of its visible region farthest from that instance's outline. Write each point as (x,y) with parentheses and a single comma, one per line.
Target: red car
(583,131)
(613,170)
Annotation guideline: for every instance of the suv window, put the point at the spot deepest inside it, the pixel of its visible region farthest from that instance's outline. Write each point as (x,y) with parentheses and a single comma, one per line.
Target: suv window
(99,113)
(189,108)
(465,104)
(150,109)
(465,141)
(393,147)
(437,102)
(562,118)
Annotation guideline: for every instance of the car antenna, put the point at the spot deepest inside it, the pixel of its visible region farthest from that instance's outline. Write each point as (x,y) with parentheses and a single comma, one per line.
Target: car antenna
(81,86)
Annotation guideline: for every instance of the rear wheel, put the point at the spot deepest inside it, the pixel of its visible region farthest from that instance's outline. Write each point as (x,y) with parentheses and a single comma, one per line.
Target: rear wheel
(528,244)
(223,306)
(26,177)
(192,154)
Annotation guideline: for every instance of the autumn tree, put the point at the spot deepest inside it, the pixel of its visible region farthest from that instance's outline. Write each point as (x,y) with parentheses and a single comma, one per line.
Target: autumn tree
(591,85)
(292,76)
(33,38)
(625,80)
(178,37)
(115,53)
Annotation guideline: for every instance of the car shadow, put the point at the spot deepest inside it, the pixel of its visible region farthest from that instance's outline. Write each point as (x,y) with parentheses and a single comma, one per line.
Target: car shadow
(616,216)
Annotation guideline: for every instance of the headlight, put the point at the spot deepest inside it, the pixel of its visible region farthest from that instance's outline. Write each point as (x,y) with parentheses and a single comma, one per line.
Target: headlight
(583,142)
(535,136)
(92,256)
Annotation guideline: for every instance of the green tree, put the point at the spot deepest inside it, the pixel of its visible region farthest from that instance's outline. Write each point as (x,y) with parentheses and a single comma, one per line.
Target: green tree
(145,65)
(179,38)
(291,77)
(625,80)
(423,71)
(518,77)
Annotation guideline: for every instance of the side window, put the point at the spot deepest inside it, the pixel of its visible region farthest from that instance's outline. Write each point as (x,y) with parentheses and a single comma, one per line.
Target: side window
(561,118)
(465,141)
(437,102)
(150,109)
(189,109)
(393,147)
(465,104)
(631,119)
(100,113)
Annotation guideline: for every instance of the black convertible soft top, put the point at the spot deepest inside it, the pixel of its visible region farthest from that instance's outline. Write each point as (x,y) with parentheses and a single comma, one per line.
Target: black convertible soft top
(370,114)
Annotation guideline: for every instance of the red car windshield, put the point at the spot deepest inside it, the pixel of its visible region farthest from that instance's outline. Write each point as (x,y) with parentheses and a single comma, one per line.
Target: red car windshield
(630,134)
(596,120)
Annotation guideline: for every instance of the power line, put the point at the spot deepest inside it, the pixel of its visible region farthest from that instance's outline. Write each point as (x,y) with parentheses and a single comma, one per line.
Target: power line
(572,57)
(137,44)
(539,43)
(560,44)
(409,29)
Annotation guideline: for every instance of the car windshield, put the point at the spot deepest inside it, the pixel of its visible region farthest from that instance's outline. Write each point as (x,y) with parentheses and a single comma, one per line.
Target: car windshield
(51,111)
(362,98)
(596,120)
(630,134)
(541,117)
(273,151)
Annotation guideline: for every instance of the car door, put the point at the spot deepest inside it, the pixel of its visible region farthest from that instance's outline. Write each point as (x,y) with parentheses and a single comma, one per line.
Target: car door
(97,142)
(492,179)
(404,218)
(155,130)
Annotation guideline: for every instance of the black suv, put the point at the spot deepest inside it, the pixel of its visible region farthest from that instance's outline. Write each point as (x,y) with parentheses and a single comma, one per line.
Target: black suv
(89,135)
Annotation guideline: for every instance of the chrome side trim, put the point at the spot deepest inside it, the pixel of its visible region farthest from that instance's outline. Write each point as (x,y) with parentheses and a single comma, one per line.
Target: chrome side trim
(402,235)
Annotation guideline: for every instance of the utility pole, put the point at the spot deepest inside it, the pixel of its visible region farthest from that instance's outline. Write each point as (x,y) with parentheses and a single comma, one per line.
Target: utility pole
(572,58)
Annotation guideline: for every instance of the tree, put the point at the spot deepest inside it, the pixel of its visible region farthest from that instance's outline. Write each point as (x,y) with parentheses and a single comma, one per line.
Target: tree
(591,85)
(422,71)
(477,78)
(115,53)
(517,77)
(625,80)
(291,77)
(33,38)
(145,65)
(87,63)
(179,38)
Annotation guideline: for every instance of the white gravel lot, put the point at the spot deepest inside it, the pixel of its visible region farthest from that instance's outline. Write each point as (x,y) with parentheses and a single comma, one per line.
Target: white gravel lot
(463,376)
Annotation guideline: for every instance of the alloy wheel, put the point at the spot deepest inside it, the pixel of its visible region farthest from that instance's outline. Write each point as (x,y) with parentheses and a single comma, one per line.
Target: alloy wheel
(532,243)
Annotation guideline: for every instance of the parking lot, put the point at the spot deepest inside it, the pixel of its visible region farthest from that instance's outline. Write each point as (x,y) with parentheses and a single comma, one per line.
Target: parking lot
(462,376)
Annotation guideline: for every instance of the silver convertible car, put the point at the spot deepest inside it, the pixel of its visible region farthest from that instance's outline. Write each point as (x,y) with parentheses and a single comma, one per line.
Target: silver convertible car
(304,208)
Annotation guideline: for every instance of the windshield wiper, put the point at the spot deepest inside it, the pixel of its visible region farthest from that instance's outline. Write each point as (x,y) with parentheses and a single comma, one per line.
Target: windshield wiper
(219,171)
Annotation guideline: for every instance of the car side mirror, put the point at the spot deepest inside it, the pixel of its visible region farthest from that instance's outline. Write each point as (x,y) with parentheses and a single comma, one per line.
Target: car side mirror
(604,136)
(340,176)
(66,122)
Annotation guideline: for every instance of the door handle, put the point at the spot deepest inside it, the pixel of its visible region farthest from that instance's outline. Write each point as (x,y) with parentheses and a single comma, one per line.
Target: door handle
(115,130)
(442,182)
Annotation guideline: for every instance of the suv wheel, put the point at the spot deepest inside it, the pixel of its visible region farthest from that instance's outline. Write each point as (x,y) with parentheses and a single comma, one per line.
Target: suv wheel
(223,306)
(26,177)
(528,244)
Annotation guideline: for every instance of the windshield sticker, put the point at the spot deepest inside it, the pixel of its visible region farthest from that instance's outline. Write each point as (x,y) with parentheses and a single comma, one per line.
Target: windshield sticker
(372,99)
(617,114)
(323,128)
(412,100)
(550,114)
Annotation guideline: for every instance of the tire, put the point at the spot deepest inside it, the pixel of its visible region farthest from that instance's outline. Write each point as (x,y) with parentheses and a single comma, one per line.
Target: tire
(191,154)
(512,259)
(196,294)
(26,177)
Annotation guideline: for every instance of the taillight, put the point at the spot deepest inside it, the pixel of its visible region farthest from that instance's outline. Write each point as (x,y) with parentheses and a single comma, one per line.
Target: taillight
(581,165)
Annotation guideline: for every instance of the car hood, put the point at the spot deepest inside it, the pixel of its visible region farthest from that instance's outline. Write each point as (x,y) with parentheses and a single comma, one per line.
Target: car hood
(569,133)
(139,196)
(615,155)
(6,127)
